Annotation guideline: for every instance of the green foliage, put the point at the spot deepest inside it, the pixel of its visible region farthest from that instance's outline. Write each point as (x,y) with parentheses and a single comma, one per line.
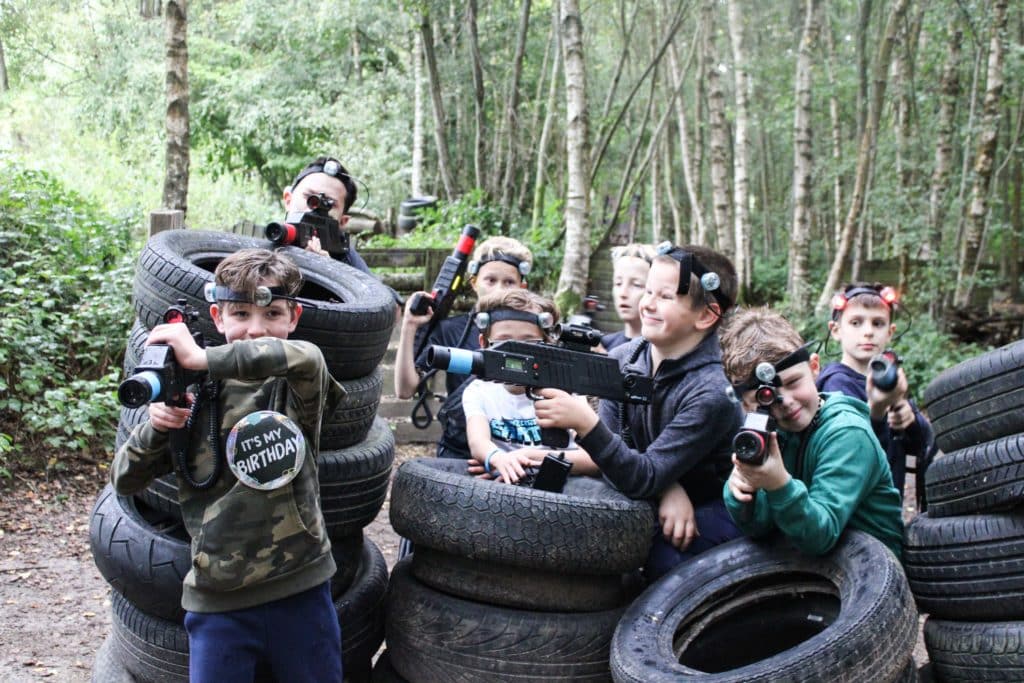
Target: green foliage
(64,307)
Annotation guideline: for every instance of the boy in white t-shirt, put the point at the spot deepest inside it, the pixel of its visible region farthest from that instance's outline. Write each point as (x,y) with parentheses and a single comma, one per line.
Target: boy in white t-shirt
(501,425)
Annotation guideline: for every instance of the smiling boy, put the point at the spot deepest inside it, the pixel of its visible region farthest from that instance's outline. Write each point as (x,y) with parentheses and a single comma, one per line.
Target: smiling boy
(824,470)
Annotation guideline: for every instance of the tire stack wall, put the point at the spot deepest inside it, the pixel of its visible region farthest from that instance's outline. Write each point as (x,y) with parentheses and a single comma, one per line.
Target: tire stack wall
(510,567)
(140,544)
(965,556)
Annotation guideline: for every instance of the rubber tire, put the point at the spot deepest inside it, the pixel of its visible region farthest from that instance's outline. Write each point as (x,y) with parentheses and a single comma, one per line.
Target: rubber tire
(981,399)
(354,481)
(133,347)
(383,672)
(968,568)
(499,584)
(983,478)
(153,650)
(436,503)
(144,562)
(414,205)
(361,614)
(351,321)
(108,667)
(352,418)
(871,638)
(434,637)
(976,651)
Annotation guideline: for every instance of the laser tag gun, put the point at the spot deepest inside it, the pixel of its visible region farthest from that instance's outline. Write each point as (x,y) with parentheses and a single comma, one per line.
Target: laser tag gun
(158,376)
(569,365)
(885,370)
(550,476)
(751,443)
(449,279)
(299,226)
(588,307)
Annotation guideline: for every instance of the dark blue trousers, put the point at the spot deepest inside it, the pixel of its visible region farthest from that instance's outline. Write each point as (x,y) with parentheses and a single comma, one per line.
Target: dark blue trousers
(715,527)
(298,638)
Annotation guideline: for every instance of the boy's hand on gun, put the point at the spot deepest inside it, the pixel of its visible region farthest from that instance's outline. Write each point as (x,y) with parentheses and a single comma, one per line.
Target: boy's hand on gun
(187,353)
(677,517)
(410,318)
(901,415)
(771,475)
(561,409)
(165,418)
(881,401)
(508,465)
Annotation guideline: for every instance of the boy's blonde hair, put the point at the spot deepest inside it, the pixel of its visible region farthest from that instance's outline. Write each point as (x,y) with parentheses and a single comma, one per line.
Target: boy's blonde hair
(246,269)
(519,300)
(753,336)
(499,244)
(634,250)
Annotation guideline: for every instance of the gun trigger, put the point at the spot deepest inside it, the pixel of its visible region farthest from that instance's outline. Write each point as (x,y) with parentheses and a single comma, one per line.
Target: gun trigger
(532,396)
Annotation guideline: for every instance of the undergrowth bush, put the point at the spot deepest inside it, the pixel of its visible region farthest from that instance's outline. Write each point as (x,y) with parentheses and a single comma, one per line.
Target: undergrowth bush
(65,305)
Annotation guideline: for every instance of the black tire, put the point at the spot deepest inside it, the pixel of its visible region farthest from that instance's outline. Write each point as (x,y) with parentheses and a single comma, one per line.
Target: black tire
(414,205)
(500,584)
(351,321)
(143,555)
(108,667)
(383,672)
(436,503)
(153,650)
(133,347)
(982,478)
(981,399)
(354,480)
(351,420)
(407,223)
(976,651)
(762,611)
(967,568)
(347,552)
(436,637)
(361,614)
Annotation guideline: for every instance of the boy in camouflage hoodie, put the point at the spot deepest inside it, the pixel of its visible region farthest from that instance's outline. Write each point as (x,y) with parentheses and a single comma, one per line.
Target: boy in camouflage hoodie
(259,587)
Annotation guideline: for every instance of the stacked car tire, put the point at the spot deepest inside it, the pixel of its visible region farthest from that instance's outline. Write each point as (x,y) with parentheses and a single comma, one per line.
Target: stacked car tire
(965,556)
(140,544)
(507,583)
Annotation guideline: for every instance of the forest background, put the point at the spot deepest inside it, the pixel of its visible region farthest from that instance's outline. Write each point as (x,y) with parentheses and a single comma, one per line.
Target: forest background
(802,137)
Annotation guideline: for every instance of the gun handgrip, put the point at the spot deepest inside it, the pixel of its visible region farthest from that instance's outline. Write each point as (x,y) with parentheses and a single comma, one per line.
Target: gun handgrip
(421,304)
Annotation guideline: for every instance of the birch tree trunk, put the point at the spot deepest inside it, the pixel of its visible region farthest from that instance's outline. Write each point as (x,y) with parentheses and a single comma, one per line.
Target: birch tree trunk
(478,95)
(512,110)
(803,164)
(5,84)
(741,153)
(539,184)
(440,137)
(837,130)
(417,116)
(176,122)
(866,152)
(719,141)
(988,137)
(691,183)
(572,282)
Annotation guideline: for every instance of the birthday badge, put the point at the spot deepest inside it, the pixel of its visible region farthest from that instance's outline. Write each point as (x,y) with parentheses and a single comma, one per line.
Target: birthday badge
(265,450)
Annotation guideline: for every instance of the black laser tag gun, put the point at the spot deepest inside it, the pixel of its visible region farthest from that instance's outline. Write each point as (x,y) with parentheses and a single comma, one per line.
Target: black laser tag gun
(751,443)
(551,475)
(569,365)
(449,279)
(885,369)
(157,376)
(299,226)
(588,307)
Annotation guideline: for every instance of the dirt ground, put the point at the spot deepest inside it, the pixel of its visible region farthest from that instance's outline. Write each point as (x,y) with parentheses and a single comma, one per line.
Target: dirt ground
(54,605)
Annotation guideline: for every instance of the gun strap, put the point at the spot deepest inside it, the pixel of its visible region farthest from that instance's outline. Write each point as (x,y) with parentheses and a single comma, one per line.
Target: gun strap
(624,428)
(421,415)
(209,390)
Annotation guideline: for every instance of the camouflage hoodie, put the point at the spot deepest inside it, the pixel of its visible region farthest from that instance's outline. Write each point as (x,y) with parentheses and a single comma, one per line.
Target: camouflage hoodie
(249,547)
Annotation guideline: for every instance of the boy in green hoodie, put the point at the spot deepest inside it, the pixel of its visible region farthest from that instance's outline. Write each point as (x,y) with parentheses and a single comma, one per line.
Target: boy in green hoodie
(823,469)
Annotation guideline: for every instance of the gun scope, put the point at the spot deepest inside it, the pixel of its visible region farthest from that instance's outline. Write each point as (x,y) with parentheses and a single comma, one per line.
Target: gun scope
(885,370)
(750,447)
(577,334)
(280,233)
(455,361)
(139,389)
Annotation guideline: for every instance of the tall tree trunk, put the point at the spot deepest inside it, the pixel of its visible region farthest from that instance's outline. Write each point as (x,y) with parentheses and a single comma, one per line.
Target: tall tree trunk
(678,234)
(417,115)
(803,164)
(1016,228)
(176,121)
(478,96)
(539,184)
(741,153)
(5,84)
(837,130)
(512,111)
(572,282)
(866,153)
(863,24)
(689,172)
(949,87)
(719,141)
(523,204)
(440,137)
(988,136)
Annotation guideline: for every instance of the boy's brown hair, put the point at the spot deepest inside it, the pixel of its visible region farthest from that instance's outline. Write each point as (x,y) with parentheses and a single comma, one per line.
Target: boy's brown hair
(518,300)
(753,336)
(246,269)
(715,263)
(866,294)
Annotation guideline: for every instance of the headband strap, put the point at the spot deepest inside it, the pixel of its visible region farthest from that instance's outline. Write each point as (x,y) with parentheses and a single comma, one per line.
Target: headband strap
(522,266)
(689,264)
(759,376)
(485,319)
(262,296)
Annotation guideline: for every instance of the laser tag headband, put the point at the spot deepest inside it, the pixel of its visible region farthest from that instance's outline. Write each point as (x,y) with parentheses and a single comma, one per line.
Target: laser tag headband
(889,296)
(522,266)
(332,167)
(768,374)
(691,265)
(263,295)
(485,319)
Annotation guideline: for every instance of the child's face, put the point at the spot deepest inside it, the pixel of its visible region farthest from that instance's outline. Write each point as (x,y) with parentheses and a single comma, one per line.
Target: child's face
(862,332)
(236,320)
(630,277)
(494,276)
(667,318)
(518,330)
(799,397)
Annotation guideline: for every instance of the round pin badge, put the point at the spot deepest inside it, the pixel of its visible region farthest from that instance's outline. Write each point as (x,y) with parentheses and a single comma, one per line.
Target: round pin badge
(265,450)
